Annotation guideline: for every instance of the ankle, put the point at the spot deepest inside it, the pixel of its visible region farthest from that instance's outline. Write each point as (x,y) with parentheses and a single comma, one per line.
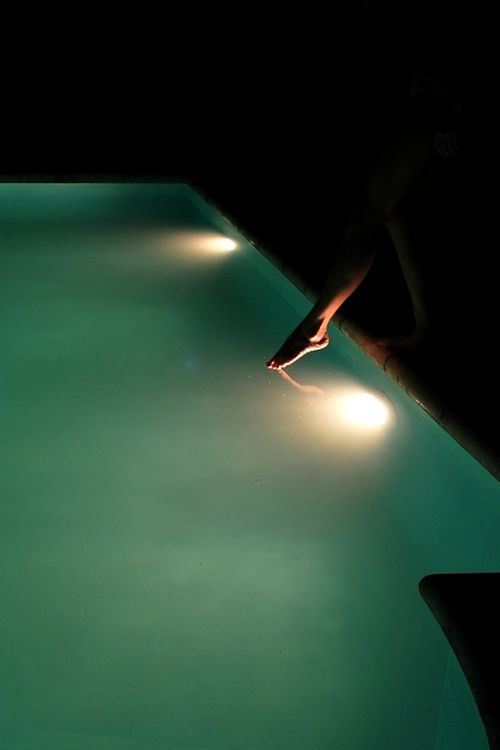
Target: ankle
(315,328)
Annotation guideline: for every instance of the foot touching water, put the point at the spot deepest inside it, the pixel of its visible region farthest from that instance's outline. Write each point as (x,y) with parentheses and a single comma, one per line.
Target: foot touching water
(302,341)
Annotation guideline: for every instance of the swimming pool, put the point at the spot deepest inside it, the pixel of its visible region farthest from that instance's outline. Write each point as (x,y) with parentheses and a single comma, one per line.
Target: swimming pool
(198,553)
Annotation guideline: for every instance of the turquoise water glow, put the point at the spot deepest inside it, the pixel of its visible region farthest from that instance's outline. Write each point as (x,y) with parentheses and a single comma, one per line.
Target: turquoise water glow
(196,554)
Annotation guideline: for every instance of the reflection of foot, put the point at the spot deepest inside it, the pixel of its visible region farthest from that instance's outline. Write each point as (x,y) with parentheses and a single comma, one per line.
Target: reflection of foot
(300,386)
(296,345)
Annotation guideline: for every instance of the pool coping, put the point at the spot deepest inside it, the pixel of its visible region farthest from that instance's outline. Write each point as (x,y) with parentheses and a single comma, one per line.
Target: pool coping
(395,364)
(398,366)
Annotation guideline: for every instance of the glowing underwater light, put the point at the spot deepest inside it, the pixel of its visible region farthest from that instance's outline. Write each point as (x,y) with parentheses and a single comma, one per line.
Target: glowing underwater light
(364,410)
(221,244)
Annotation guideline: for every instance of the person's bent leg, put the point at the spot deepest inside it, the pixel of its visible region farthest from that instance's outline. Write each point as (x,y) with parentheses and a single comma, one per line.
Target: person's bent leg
(416,230)
(407,247)
(350,267)
(403,157)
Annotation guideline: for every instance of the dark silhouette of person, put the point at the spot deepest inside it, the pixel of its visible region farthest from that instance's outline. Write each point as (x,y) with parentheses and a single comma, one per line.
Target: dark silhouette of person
(441,52)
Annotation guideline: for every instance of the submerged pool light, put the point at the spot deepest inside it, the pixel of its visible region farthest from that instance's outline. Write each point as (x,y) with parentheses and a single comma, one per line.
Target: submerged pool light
(187,245)
(219,243)
(365,410)
(224,244)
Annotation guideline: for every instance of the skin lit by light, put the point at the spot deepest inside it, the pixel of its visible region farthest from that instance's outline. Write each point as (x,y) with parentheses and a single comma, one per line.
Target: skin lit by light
(365,410)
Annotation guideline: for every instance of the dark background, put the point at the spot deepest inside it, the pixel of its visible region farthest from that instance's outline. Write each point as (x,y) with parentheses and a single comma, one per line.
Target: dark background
(274,114)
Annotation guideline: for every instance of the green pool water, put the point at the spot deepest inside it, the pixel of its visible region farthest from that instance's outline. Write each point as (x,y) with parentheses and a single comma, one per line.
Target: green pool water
(195,553)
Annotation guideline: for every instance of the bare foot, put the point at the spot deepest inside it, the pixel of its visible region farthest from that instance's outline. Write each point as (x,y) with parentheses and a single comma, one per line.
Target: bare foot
(296,346)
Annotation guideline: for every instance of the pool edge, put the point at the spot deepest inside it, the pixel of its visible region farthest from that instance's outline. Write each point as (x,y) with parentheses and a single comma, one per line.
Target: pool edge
(389,359)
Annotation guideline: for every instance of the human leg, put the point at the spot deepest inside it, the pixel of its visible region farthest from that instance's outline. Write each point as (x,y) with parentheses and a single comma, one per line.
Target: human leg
(399,163)
(350,267)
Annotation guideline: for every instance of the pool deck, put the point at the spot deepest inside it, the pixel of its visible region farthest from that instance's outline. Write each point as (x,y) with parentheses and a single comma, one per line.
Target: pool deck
(454,390)
(458,392)
(427,381)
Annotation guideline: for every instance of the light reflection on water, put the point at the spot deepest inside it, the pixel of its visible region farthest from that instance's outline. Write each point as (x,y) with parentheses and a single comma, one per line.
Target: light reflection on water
(188,246)
(200,544)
